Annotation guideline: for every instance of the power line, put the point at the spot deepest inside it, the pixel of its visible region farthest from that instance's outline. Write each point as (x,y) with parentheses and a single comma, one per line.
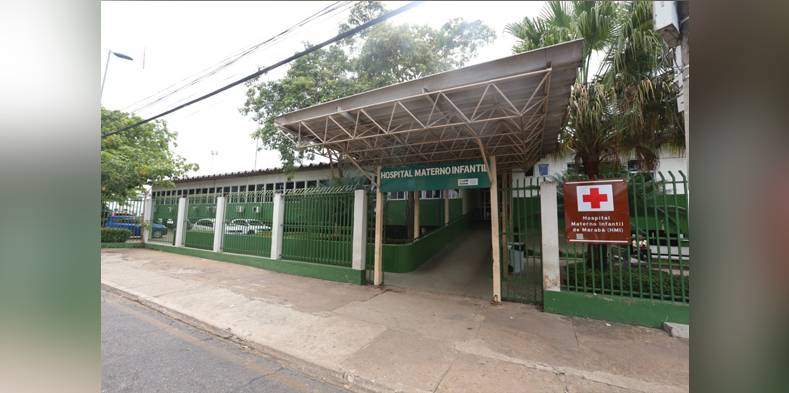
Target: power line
(230,60)
(254,75)
(231,76)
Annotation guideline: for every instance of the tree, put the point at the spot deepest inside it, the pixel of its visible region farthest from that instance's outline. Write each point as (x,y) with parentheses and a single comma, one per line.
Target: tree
(628,106)
(138,156)
(382,55)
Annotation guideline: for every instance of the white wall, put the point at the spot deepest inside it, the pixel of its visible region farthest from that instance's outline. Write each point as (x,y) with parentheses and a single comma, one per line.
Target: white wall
(304,175)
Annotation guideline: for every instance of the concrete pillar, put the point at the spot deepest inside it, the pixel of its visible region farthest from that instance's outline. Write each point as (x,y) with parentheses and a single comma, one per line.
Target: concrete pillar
(277,226)
(180,222)
(464,195)
(378,272)
(417,224)
(147,219)
(550,236)
(494,230)
(219,224)
(359,256)
(446,207)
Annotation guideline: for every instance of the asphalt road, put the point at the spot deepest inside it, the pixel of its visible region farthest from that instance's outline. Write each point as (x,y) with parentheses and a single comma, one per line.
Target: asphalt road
(145,351)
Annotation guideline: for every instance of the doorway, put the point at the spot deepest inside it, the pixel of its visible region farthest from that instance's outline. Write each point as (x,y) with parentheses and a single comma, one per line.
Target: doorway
(463,266)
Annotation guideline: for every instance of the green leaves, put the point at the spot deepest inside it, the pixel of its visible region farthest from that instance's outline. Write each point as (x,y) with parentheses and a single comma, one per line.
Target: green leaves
(629,107)
(137,156)
(383,55)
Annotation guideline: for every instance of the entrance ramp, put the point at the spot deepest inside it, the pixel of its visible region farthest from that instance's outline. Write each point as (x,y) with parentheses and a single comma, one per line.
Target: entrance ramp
(462,268)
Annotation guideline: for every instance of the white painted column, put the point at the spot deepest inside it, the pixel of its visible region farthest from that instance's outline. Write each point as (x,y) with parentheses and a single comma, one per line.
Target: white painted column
(378,271)
(219,224)
(417,224)
(550,236)
(464,195)
(180,222)
(359,256)
(494,230)
(446,207)
(277,226)
(147,219)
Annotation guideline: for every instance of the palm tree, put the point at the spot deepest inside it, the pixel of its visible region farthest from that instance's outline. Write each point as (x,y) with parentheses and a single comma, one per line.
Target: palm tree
(628,106)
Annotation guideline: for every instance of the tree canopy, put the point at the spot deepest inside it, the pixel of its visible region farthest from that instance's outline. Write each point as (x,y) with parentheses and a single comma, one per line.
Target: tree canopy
(137,157)
(628,106)
(380,56)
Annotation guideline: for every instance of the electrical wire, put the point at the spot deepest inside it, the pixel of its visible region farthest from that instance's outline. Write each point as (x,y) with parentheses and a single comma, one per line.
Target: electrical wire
(256,74)
(230,60)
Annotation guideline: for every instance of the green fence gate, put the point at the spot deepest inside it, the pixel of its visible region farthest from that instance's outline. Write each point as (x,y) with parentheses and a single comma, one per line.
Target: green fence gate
(318,225)
(200,221)
(655,265)
(248,220)
(165,215)
(521,242)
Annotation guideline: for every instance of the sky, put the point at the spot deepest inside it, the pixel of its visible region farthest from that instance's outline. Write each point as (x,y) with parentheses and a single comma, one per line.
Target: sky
(173,42)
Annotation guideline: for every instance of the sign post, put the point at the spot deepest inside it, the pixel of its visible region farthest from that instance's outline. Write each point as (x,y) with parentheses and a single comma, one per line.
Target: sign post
(597,211)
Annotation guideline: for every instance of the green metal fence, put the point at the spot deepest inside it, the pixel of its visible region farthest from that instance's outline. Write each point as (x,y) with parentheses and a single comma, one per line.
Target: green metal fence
(318,225)
(655,265)
(165,215)
(200,224)
(248,220)
(521,244)
(125,214)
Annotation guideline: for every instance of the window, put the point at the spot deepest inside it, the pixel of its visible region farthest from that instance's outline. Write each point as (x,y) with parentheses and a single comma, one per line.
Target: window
(529,172)
(261,187)
(312,183)
(299,184)
(279,186)
(234,189)
(191,191)
(396,196)
(205,191)
(633,166)
(454,194)
(542,169)
(431,194)
(227,189)
(243,188)
(289,185)
(269,186)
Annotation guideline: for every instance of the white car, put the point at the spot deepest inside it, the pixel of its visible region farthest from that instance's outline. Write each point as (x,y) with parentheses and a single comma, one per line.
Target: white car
(248,226)
(207,225)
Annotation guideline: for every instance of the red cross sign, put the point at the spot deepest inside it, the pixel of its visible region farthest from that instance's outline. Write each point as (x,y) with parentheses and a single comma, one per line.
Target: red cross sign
(596,211)
(595,197)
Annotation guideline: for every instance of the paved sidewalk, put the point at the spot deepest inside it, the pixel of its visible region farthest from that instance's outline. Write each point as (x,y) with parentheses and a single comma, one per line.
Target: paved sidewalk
(383,340)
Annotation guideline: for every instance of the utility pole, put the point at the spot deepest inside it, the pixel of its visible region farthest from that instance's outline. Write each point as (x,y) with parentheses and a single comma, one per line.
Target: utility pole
(214,153)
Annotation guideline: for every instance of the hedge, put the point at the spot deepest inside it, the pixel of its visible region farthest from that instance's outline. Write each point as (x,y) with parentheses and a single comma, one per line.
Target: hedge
(114,235)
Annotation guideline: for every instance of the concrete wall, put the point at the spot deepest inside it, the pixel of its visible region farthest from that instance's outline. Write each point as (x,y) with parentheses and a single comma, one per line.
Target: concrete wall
(273,178)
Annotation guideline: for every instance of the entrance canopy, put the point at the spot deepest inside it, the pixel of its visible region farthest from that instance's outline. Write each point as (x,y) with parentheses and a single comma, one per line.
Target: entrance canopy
(511,108)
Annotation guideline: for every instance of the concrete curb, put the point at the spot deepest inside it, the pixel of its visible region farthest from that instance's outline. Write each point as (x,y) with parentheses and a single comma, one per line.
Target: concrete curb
(336,377)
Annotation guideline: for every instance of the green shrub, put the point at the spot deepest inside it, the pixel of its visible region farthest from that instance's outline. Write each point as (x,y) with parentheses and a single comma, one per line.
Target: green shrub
(115,235)
(630,276)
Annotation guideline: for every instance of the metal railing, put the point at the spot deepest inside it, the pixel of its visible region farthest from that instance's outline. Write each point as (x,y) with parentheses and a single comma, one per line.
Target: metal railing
(200,225)
(164,218)
(655,265)
(248,220)
(318,225)
(521,244)
(126,214)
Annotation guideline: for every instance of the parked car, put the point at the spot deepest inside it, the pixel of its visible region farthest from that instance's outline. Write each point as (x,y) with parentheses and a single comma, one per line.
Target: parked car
(207,225)
(249,226)
(132,223)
